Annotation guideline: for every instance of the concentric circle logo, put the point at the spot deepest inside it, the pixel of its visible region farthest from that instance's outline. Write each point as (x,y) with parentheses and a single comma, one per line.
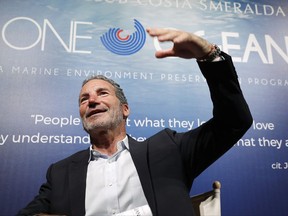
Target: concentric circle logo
(127,45)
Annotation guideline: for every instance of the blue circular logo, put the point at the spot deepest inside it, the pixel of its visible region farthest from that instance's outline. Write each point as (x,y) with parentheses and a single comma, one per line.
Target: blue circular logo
(127,45)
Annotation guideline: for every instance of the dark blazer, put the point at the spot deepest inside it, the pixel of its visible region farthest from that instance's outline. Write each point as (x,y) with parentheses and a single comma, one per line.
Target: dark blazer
(167,162)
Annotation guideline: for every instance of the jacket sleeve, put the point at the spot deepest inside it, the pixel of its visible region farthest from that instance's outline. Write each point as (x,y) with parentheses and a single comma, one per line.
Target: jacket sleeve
(231,119)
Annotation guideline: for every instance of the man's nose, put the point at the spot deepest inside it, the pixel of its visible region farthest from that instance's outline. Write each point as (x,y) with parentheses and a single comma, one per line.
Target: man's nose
(93,101)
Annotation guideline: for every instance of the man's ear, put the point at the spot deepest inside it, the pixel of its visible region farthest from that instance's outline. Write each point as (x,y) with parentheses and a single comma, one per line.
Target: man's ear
(125,110)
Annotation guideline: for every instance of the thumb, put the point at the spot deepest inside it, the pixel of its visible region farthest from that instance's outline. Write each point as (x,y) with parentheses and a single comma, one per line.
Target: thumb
(164,53)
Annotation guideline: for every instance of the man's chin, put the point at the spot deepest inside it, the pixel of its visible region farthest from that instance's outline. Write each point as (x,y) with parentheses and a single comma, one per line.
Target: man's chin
(90,128)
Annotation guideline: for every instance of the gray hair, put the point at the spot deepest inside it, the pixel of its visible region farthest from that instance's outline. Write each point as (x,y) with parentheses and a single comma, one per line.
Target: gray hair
(118,90)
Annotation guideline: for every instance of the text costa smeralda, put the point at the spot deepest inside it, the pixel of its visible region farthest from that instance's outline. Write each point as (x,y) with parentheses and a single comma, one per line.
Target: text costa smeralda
(237,7)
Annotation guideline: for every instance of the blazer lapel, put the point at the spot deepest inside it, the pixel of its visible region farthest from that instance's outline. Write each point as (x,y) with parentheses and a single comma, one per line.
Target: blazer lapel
(139,154)
(77,183)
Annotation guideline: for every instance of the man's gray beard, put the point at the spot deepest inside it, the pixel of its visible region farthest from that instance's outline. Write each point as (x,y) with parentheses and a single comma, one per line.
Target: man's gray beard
(91,126)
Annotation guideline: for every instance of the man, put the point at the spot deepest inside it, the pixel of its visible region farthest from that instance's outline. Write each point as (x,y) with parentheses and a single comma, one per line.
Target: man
(118,174)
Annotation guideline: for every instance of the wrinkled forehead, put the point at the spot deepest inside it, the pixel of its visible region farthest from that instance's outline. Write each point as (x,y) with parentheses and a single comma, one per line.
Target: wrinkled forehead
(96,84)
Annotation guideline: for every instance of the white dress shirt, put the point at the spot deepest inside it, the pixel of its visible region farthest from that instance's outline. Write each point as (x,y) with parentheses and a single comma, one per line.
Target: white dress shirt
(112,184)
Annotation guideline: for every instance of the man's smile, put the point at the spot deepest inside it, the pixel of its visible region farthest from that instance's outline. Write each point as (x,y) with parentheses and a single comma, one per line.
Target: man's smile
(95,112)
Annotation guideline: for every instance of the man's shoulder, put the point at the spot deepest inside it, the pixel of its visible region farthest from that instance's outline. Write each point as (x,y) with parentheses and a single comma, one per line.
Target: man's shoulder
(80,156)
(163,132)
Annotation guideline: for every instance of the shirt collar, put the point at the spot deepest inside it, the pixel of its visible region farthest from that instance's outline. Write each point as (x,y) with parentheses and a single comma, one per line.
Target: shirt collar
(121,145)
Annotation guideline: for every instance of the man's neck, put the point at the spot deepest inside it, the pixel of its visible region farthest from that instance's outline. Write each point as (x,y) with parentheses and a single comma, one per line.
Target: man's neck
(106,142)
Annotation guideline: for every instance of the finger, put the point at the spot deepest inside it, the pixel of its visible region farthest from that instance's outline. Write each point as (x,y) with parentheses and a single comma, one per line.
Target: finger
(164,53)
(164,34)
(154,32)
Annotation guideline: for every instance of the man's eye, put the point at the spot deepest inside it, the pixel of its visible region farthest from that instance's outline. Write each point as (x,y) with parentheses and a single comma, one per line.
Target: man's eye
(103,93)
(83,100)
